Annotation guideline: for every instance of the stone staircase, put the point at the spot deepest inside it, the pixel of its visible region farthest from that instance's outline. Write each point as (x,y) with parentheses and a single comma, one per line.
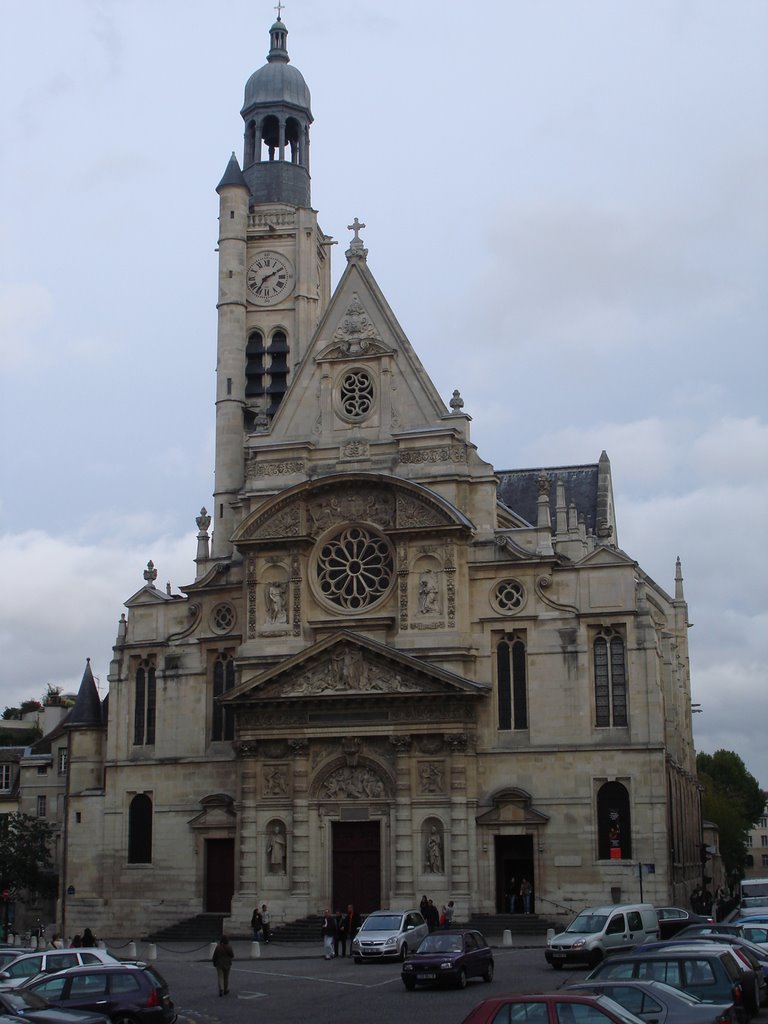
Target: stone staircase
(307,929)
(201,928)
(493,926)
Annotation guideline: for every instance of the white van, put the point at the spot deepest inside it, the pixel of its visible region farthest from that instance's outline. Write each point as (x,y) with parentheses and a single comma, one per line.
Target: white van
(598,931)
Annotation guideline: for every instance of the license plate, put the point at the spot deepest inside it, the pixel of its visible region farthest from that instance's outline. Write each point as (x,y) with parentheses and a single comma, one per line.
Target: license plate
(425,977)
(558,954)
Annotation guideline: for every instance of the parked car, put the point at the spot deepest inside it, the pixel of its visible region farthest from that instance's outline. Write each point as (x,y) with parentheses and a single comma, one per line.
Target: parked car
(756,934)
(599,931)
(550,1008)
(389,933)
(673,919)
(127,993)
(658,1003)
(712,973)
(755,958)
(32,1007)
(449,957)
(32,964)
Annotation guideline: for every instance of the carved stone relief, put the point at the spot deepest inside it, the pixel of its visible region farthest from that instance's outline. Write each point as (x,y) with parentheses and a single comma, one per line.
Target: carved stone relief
(347,671)
(431,777)
(442,453)
(275,780)
(361,783)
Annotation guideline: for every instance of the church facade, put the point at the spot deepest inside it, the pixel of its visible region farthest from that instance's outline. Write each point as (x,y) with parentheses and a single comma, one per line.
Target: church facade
(398,670)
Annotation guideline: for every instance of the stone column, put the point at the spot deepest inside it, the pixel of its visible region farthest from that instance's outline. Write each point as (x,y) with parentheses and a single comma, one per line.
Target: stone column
(300,847)
(462,865)
(402,876)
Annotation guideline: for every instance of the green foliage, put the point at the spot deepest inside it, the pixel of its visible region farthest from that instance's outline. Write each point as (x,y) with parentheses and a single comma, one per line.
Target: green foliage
(12,714)
(25,859)
(733,799)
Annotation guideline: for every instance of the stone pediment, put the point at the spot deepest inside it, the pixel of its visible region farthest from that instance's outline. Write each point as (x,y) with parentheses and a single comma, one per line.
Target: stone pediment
(512,807)
(606,556)
(218,813)
(356,335)
(309,509)
(351,666)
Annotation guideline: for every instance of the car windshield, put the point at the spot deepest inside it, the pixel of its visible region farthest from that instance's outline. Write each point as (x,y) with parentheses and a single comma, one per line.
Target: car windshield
(616,1009)
(585,924)
(382,923)
(442,944)
(20,1000)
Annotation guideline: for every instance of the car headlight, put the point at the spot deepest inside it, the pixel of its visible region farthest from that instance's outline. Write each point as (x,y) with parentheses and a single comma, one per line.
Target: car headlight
(446,966)
(391,941)
(579,943)
(407,967)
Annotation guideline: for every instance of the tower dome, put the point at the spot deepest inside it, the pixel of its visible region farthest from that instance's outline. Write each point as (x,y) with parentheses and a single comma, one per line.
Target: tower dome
(277,114)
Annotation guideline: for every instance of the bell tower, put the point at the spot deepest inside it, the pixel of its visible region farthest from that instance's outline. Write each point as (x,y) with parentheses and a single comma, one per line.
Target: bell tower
(274,272)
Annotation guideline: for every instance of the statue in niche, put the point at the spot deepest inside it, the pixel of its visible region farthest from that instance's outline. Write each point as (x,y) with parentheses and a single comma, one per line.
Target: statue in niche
(428,593)
(277,613)
(276,851)
(435,852)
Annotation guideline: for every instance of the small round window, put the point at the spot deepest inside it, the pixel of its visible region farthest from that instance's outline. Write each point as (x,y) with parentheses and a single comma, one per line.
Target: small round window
(509,596)
(355,568)
(223,618)
(356,394)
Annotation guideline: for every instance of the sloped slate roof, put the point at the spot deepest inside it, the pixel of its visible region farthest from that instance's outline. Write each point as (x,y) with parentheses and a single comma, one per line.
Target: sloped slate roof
(518,489)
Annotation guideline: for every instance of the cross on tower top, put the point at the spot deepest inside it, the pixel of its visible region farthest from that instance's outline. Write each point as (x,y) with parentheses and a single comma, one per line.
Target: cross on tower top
(279,7)
(355,226)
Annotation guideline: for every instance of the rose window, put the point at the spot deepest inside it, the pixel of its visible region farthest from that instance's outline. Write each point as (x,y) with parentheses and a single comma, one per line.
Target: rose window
(355,568)
(356,394)
(509,595)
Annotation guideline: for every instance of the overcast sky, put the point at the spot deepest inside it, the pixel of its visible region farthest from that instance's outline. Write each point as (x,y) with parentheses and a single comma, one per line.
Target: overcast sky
(566,206)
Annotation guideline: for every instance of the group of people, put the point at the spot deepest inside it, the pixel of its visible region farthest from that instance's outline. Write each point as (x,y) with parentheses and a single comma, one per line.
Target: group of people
(337,929)
(260,924)
(519,898)
(701,901)
(87,939)
(436,919)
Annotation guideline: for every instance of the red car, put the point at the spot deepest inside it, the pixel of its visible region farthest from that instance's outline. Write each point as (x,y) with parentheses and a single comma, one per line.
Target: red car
(550,1008)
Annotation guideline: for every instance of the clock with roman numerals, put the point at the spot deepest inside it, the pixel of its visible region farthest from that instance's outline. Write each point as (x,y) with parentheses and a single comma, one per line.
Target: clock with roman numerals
(270,278)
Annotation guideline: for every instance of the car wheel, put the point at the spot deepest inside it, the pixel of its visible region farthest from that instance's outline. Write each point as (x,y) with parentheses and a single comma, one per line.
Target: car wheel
(488,975)
(404,951)
(462,982)
(595,957)
(409,983)
(124,1018)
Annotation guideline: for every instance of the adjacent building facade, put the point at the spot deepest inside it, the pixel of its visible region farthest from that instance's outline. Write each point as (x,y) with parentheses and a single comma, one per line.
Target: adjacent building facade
(398,670)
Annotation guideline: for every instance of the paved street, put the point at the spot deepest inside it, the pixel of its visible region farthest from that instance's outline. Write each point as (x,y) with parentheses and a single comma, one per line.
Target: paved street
(293,983)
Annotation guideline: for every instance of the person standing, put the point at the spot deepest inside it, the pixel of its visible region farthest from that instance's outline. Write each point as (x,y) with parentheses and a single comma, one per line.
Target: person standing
(353,924)
(433,916)
(340,938)
(448,911)
(526,891)
(328,932)
(89,939)
(257,925)
(222,958)
(266,930)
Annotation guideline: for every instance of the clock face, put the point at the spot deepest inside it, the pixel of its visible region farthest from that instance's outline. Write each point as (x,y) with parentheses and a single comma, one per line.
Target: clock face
(270,278)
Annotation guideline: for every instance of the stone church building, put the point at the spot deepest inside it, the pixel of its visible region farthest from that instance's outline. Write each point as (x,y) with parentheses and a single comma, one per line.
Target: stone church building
(398,670)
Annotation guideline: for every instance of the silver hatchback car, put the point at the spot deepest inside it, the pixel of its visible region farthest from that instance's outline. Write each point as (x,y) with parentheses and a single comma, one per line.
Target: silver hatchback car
(387,934)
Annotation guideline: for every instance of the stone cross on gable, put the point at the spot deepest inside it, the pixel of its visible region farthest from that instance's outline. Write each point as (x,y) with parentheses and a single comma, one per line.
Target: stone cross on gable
(356,246)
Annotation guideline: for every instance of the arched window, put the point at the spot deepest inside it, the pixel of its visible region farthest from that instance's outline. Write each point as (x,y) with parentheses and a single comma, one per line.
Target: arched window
(278,370)
(270,136)
(511,683)
(222,718)
(140,830)
(144,704)
(614,826)
(610,679)
(254,365)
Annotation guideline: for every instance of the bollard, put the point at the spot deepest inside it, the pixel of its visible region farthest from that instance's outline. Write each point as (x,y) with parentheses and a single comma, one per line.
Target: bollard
(550,935)
(211,951)
(255,951)
(151,952)
(507,937)
(101,944)
(131,950)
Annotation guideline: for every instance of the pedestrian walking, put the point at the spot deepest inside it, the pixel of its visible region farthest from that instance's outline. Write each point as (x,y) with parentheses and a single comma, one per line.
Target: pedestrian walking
(340,938)
(328,932)
(222,958)
(266,929)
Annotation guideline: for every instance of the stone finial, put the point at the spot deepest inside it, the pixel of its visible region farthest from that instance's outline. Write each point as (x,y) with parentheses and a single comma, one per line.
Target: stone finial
(356,246)
(203,543)
(543,484)
(203,520)
(122,627)
(168,588)
(457,402)
(150,573)
(679,594)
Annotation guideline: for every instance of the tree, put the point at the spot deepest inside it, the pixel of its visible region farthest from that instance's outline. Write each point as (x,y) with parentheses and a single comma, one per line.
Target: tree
(26,869)
(733,799)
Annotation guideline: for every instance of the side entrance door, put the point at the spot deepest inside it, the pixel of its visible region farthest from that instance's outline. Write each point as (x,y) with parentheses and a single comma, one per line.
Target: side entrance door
(356,865)
(219,875)
(514,862)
